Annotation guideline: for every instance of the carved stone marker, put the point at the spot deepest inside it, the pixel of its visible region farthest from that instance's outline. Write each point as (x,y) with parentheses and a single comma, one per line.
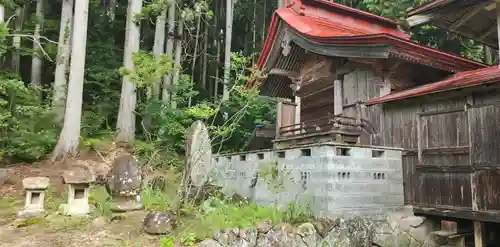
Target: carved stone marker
(158,223)
(35,194)
(78,192)
(198,153)
(124,184)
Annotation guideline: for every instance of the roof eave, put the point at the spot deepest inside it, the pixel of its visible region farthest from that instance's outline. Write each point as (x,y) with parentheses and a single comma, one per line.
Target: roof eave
(428,7)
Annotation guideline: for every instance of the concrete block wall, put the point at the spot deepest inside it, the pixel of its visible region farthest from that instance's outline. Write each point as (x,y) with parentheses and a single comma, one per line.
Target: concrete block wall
(334,179)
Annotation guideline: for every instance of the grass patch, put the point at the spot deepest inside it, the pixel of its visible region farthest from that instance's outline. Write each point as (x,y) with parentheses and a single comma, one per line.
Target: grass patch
(59,222)
(100,198)
(155,200)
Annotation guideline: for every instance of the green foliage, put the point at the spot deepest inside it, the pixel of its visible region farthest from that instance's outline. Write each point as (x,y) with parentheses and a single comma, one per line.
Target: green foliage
(147,68)
(156,200)
(26,125)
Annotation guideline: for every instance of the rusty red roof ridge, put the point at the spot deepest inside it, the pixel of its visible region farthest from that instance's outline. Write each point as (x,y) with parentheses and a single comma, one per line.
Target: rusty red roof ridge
(338,6)
(459,80)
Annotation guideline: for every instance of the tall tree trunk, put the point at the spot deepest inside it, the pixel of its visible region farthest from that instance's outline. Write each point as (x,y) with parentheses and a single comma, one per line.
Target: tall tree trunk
(126,116)
(254,29)
(281,4)
(264,23)
(204,58)
(63,57)
(16,41)
(70,134)
(2,13)
(36,62)
(227,48)
(195,54)
(112,9)
(158,49)
(177,60)
(169,50)
(217,49)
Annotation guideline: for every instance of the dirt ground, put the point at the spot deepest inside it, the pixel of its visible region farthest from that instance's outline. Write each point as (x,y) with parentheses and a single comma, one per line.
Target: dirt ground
(55,230)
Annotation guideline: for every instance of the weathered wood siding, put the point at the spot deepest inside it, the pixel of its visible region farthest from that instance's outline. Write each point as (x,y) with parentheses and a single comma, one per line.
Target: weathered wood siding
(440,176)
(485,147)
(358,87)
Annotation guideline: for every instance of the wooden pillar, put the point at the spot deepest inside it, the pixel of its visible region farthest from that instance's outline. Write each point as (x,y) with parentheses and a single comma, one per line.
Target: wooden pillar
(384,89)
(478,225)
(498,24)
(297,112)
(386,86)
(338,107)
(419,139)
(279,113)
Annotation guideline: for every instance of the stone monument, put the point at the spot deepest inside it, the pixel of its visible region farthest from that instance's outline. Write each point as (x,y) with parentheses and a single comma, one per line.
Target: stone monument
(78,192)
(35,188)
(123,183)
(198,154)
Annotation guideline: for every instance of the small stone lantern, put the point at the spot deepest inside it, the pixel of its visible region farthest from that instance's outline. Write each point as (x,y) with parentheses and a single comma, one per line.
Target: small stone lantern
(78,192)
(35,188)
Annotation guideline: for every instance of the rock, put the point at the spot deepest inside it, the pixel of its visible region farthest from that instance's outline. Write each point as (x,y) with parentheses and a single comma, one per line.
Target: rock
(282,236)
(226,237)
(36,183)
(209,243)
(159,223)
(323,226)
(249,235)
(308,234)
(124,178)
(264,227)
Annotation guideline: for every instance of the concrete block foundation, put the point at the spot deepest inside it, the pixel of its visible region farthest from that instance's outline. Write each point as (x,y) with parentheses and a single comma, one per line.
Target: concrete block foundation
(334,179)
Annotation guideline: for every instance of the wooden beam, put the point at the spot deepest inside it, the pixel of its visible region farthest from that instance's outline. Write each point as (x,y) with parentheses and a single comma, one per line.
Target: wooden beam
(279,114)
(478,234)
(419,140)
(462,20)
(282,72)
(490,7)
(298,106)
(485,35)
(498,23)
(337,97)
(456,212)
(386,87)
(419,19)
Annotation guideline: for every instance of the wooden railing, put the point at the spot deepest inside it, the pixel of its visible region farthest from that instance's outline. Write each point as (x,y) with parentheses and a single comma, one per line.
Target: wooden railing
(327,123)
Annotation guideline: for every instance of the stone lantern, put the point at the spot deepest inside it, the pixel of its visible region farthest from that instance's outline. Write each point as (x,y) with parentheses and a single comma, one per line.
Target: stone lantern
(78,192)
(35,188)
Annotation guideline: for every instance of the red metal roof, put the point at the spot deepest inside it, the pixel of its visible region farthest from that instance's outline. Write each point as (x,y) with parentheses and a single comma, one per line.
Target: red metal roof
(331,23)
(459,80)
(428,6)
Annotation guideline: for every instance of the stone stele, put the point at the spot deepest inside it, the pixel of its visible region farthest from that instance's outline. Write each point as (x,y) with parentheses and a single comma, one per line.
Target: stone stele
(124,184)
(78,182)
(35,188)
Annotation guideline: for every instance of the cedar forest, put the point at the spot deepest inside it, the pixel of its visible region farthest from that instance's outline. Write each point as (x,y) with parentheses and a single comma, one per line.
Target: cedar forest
(139,72)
